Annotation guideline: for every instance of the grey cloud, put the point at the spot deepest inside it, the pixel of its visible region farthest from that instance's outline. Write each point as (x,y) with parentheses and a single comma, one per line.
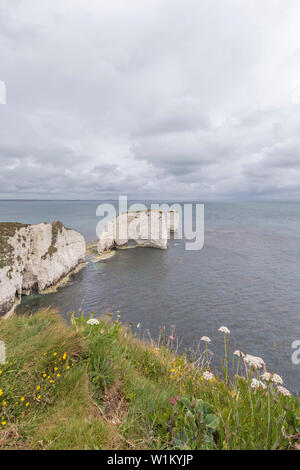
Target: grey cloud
(150,99)
(180,116)
(283,155)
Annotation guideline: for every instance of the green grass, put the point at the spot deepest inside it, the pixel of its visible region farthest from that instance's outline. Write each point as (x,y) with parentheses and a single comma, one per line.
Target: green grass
(117,392)
(59,412)
(8,230)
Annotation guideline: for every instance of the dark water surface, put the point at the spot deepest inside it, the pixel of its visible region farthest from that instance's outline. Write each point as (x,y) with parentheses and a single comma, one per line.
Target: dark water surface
(246,277)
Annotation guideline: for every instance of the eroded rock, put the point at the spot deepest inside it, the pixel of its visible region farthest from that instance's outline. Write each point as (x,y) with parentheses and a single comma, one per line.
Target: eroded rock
(35,257)
(140,228)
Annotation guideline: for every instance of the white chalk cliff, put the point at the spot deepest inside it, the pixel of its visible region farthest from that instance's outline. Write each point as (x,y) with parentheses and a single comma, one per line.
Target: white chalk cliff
(35,257)
(143,228)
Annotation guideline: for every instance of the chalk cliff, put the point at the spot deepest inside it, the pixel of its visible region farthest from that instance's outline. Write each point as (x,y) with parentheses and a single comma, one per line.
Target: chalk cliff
(35,257)
(142,228)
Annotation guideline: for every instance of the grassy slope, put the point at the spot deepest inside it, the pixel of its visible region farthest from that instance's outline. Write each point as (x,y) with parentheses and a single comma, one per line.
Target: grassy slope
(113,392)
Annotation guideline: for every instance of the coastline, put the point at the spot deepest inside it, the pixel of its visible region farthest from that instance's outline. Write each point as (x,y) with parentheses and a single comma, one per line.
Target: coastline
(64,280)
(94,384)
(12,311)
(104,256)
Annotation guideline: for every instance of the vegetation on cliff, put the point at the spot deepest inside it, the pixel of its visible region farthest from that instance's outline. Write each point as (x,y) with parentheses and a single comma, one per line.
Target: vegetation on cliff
(7,230)
(57,227)
(94,385)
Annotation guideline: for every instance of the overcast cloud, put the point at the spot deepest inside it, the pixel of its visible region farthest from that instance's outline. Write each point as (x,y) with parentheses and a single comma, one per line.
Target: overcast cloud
(168,99)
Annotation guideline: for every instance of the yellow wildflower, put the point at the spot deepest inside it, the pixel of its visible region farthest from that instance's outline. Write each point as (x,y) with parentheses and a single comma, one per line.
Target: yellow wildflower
(1,392)
(22,399)
(38,387)
(44,375)
(4,403)
(3,423)
(68,367)
(55,369)
(27,404)
(55,354)
(39,397)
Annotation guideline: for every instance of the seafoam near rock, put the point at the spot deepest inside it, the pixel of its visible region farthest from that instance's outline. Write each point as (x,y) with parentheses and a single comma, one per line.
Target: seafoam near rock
(35,257)
(143,228)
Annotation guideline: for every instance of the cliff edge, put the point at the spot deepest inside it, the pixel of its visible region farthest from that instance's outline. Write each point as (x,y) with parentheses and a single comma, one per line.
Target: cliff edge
(35,257)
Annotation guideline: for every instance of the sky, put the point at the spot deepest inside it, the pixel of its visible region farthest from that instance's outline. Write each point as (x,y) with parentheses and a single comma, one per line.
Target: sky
(153,99)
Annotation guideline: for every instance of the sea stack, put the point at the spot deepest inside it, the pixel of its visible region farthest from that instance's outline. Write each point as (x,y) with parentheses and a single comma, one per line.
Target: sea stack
(146,228)
(34,258)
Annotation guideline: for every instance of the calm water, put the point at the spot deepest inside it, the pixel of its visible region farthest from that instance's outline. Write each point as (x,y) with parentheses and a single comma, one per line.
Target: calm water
(246,277)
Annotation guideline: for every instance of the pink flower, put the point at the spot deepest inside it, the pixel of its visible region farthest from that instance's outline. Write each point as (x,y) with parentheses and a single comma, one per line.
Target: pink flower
(171,338)
(173,401)
(297,446)
(284,391)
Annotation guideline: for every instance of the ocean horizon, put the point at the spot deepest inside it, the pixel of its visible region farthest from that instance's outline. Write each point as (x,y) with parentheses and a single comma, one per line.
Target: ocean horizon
(246,277)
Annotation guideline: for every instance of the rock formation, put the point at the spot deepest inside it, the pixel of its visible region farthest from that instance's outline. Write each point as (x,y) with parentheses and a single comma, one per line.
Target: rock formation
(35,257)
(142,228)
(173,220)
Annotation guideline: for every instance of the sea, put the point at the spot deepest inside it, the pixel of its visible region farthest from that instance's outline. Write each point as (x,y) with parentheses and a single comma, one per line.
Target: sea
(246,277)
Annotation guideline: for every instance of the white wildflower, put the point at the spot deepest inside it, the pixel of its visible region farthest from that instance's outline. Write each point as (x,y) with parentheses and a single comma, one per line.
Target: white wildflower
(254,361)
(224,329)
(257,384)
(208,375)
(277,379)
(206,339)
(266,376)
(92,321)
(238,353)
(138,325)
(284,391)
